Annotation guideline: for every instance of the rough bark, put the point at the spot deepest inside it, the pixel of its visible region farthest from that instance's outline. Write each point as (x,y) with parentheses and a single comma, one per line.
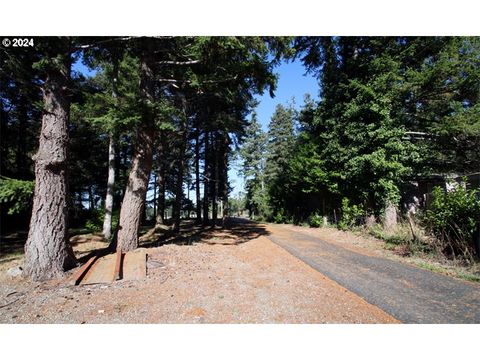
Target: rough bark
(134,198)
(225,207)
(198,204)
(181,165)
(178,198)
(107,221)
(390,221)
(205,182)
(370,221)
(155,196)
(47,250)
(215,184)
(160,218)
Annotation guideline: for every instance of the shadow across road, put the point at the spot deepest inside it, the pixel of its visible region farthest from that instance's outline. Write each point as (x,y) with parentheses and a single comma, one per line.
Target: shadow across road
(235,232)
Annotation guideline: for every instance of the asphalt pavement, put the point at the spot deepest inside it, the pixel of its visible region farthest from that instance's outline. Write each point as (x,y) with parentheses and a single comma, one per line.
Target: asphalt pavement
(408,293)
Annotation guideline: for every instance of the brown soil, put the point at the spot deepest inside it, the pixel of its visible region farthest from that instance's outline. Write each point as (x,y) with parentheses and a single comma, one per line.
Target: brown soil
(217,276)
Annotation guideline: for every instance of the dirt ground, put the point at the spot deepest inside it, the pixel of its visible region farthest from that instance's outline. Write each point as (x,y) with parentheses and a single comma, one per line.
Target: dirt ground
(218,276)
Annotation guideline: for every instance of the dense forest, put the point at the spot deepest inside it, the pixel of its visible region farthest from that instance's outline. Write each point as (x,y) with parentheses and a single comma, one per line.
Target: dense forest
(397,125)
(149,137)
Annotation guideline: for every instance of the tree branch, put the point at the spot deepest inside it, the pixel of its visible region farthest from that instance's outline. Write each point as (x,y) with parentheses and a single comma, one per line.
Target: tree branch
(89,46)
(190,62)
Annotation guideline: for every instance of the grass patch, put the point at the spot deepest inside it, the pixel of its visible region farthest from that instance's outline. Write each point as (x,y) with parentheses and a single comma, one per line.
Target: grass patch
(421,250)
(389,246)
(455,272)
(433,268)
(469,277)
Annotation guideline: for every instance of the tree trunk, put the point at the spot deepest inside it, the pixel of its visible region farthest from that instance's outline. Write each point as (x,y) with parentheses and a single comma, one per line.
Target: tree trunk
(215,184)
(390,221)
(125,167)
(143,218)
(47,250)
(160,218)
(91,199)
(476,238)
(225,207)
(198,205)
(134,199)
(155,196)
(107,221)
(205,182)
(177,206)
(370,221)
(181,164)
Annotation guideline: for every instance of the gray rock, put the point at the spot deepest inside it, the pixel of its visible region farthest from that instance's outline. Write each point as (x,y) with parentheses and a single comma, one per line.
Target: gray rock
(15,271)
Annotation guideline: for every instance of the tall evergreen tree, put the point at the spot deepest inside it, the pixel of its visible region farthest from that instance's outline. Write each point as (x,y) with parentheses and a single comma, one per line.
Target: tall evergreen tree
(47,251)
(134,198)
(111,109)
(253,153)
(389,110)
(281,141)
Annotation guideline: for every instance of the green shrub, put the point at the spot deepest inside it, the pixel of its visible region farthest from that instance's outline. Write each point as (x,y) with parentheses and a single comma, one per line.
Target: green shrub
(93,226)
(350,215)
(280,217)
(95,222)
(402,240)
(315,220)
(452,217)
(17,194)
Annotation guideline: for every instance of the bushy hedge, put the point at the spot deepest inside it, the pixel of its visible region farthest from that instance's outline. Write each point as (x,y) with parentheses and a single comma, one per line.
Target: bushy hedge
(453,218)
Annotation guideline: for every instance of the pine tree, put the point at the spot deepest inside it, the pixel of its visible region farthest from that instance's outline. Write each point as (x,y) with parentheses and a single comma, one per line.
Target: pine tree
(253,154)
(134,198)
(281,141)
(389,110)
(47,251)
(111,108)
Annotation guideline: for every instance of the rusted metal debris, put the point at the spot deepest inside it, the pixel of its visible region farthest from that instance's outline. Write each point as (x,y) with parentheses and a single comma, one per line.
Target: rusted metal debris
(118,266)
(80,273)
(110,268)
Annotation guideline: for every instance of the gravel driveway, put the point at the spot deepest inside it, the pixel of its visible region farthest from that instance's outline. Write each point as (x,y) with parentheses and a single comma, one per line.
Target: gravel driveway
(217,276)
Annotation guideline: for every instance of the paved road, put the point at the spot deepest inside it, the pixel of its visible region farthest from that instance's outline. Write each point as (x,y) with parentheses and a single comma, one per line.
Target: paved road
(410,294)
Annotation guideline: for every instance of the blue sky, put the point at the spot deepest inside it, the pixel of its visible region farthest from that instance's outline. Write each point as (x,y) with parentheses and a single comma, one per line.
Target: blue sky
(292,83)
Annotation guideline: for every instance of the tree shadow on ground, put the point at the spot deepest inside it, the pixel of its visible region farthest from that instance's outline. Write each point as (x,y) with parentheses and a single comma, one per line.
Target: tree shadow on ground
(12,245)
(236,231)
